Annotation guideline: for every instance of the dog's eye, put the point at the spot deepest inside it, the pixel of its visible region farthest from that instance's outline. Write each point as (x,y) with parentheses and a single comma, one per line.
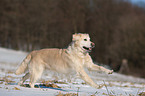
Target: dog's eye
(85,39)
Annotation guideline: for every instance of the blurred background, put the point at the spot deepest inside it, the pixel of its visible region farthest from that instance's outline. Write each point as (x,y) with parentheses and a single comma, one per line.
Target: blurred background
(117,27)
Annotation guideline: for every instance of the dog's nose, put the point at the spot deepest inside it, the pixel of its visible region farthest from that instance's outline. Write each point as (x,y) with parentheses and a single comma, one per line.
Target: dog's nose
(93,44)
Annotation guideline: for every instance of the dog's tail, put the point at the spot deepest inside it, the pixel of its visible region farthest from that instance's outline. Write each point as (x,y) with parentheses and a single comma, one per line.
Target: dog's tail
(24,65)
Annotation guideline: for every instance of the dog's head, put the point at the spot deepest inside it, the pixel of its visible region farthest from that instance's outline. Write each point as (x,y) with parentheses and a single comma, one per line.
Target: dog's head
(83,41)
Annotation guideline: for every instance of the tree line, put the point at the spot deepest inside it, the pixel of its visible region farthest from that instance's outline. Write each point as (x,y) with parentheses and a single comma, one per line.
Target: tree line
(115,26)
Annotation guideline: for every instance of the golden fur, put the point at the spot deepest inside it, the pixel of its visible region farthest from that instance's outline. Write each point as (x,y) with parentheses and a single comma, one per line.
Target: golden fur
(72,59)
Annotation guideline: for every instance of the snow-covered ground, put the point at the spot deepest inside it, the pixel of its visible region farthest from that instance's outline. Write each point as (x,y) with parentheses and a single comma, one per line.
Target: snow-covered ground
(116,84)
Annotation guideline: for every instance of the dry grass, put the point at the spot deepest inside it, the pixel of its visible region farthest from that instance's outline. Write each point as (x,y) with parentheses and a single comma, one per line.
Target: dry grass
(67,94)
(142,94)
(15,88)
(53,81)
(51,85)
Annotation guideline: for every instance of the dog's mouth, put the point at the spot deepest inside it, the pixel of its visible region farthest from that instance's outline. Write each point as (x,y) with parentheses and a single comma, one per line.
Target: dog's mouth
(87,49)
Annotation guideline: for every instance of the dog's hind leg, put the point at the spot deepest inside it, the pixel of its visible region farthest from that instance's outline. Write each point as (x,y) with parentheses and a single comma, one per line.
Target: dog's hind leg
(87,79)
(35,75)
(24,78)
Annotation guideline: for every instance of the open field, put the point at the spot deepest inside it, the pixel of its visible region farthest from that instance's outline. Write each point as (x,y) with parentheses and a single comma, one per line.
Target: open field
(115,84)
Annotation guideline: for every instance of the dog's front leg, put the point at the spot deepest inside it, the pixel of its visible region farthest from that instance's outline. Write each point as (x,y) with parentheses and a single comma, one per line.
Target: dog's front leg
(87,79)
(100,68)
(91,66)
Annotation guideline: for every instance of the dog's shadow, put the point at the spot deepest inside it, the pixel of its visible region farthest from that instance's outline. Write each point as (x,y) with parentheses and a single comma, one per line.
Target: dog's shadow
(49,86)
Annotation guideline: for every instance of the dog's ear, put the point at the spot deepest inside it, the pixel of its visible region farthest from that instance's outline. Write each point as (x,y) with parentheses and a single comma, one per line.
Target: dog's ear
(76,37)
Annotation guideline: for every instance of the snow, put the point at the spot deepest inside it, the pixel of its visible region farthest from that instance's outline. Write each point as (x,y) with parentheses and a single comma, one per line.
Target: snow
(116,84)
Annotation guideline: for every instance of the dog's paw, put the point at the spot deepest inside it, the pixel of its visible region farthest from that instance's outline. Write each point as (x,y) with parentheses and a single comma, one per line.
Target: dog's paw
(110,72)
(100,86)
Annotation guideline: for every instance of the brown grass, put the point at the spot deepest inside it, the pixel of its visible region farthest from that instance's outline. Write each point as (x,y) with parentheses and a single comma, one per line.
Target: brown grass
(142,94)
(67,94)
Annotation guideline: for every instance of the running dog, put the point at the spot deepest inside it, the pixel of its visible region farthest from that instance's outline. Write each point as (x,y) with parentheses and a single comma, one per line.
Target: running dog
(72,59)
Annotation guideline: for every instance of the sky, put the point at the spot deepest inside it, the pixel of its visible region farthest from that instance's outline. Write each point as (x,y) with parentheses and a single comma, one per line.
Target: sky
(135,1)
(140,3)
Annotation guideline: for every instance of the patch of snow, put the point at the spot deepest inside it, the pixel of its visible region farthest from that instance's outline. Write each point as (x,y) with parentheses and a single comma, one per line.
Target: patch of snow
(116,84)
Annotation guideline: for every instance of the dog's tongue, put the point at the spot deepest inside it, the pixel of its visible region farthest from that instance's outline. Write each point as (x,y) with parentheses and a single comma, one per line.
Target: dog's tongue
(90,48)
